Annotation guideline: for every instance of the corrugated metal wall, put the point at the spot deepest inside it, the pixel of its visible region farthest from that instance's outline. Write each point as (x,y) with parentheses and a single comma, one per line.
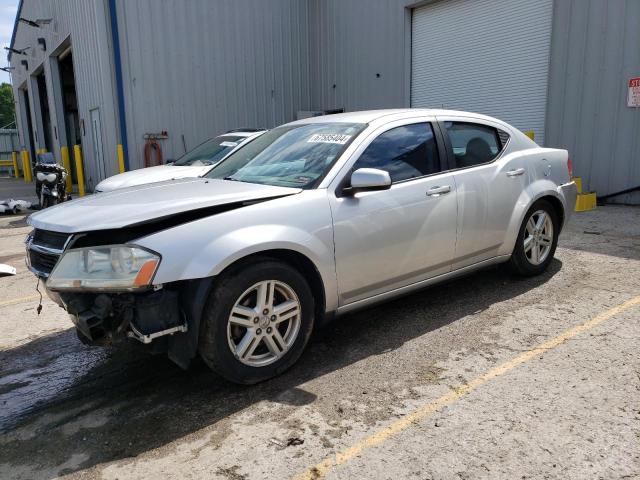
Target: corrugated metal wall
(595,50)
(360,54)
(9,142)
(86,24)
(208,67)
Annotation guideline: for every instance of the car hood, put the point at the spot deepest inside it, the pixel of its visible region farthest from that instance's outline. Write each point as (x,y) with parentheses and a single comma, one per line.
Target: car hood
(151,175)
(147,203)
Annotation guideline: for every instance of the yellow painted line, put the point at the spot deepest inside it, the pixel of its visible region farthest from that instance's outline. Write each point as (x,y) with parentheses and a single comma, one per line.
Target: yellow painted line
(19,300)
(344,456)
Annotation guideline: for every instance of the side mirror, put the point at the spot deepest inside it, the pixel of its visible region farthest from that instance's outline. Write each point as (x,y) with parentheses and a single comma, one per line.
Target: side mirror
(368,179)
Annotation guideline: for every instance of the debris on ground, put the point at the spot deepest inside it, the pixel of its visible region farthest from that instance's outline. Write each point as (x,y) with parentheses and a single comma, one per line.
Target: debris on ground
(277,443)
(6,270)
(14,206)
(291,442)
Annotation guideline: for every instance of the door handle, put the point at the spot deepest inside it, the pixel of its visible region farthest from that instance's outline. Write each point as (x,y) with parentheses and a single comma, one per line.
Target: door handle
(437,191)
(516,172)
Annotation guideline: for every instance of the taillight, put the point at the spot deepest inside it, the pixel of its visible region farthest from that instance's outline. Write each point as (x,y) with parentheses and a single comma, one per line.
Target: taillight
(570,167)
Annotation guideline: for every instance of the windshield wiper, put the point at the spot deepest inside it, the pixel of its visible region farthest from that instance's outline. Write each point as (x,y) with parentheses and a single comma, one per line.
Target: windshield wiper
(231,179)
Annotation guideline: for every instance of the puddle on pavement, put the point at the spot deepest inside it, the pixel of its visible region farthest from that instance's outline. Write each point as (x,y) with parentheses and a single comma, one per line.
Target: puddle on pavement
(58,368)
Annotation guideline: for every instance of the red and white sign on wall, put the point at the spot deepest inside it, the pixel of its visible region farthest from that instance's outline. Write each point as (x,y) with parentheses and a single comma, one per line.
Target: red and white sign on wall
(633,97)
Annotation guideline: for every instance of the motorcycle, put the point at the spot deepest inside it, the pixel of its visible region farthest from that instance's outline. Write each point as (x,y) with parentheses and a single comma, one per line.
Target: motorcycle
(51,181)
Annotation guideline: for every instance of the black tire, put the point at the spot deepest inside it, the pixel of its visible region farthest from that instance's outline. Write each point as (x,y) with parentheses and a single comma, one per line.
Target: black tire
(519,262)
(213,343)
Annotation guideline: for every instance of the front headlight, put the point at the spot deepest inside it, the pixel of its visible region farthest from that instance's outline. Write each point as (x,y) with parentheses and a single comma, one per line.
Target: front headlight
(112,267)
(46,177)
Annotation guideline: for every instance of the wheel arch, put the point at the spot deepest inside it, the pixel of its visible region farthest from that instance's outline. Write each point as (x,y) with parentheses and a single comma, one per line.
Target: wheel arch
(297,260)
(528,197)
(558,207)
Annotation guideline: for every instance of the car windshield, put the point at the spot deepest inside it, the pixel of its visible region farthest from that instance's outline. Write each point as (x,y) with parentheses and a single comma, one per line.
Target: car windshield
(289,156)
(211,151)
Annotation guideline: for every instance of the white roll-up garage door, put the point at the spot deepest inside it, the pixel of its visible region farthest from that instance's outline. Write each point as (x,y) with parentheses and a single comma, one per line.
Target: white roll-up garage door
(485,56)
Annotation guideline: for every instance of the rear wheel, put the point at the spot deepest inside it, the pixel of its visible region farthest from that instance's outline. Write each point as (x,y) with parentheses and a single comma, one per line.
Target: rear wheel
(257,322)
(537,240)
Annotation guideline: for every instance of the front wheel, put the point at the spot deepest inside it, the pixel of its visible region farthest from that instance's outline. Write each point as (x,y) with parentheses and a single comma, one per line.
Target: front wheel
(537,240)
(257,321)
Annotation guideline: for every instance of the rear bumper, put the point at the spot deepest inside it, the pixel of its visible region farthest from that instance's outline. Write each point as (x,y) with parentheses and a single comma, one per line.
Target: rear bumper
(569,194)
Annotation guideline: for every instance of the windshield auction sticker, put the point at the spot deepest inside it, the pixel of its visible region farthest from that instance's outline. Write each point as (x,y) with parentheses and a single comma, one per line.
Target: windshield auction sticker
(329,138)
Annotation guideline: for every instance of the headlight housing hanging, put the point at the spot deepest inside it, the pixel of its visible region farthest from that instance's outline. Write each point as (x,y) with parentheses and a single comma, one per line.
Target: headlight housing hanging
(109,267)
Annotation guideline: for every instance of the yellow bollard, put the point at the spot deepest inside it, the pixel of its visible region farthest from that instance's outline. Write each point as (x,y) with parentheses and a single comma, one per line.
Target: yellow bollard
(77,151)
(120,158)
(531,134)
(26,166)
(14,158)
(66,163)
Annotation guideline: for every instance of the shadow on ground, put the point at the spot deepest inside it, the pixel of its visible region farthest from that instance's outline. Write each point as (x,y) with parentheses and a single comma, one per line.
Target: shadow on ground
(48,384)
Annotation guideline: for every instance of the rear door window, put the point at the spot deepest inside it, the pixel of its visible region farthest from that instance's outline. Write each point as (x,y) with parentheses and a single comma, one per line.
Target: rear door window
(405,152)
(473,143)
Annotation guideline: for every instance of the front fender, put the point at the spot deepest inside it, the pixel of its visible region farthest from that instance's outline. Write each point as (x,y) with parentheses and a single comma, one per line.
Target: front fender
(235,245)
(205,247)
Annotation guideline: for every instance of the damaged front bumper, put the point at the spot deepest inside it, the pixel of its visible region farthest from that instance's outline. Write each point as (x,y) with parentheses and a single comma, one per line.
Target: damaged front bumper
(167,318)
(108,318)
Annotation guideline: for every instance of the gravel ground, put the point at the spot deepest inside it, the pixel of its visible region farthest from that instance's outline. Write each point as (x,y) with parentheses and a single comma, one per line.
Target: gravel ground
(572,411)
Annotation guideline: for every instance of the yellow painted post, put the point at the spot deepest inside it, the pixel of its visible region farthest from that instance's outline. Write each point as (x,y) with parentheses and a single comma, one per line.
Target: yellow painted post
(26,166)
(120,158)
(77,152)
(66,163)
(14,158)
(531,134)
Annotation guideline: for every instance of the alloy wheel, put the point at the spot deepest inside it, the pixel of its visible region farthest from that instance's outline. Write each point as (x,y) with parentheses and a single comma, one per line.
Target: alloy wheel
(264,323)
(538,237)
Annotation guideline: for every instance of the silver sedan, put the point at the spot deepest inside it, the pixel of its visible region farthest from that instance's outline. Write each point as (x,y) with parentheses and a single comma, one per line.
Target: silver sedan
(311,220)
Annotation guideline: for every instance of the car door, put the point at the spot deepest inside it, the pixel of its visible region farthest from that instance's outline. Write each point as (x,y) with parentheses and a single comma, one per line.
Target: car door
(489,181)
(392,238)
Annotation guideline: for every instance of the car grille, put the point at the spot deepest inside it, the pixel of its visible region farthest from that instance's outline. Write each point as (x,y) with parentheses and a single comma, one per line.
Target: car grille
(43,262)
(46,238)
(44,250)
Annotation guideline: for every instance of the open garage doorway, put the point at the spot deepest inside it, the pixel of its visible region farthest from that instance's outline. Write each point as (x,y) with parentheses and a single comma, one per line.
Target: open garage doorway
(46,140)
(69,98)
(66,102)
(27,125)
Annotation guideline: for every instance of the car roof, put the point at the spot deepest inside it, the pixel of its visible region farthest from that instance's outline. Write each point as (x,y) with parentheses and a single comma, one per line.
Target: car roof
(369,116)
